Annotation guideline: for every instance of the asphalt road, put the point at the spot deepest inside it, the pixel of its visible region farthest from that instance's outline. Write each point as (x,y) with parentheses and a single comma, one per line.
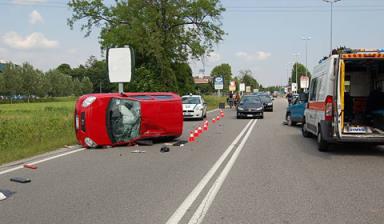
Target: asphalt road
(266,173)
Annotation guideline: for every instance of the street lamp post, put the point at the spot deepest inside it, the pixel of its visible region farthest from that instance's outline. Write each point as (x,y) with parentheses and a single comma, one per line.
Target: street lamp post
(331,2)
(296,63)
(306,54)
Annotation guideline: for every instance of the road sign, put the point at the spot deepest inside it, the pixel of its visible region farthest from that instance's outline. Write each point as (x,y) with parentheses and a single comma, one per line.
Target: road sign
(248,89)
(294,87)
(242,87)
(219,83)
(304,82)
(120,64)
(232,86)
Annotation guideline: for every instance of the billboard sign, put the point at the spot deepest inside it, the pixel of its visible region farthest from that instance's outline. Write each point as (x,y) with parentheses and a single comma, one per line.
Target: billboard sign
(248,89)
(219,82)
(304,82)
(242,87)
(232,86)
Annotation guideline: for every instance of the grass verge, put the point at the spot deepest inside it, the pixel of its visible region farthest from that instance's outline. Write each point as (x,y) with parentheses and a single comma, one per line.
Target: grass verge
(213,101)
(32,128)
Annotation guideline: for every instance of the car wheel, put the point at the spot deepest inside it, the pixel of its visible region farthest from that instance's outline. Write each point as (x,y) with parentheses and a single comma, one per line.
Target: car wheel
(289,120)
(322,144)
(304,131)
(262,116)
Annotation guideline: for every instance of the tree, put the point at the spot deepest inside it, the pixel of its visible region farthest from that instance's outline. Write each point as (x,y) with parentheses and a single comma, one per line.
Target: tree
(301,71)
(247,78)
(65,69)
(77,87)
(225,71)
(59,83)
(86,86)
(2,83)
(162,32)
(31,80)
(184,78)
(12,80)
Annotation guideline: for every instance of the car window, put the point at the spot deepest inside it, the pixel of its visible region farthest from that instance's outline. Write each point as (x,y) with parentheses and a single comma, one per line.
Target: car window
(163,97)
(191,100)
(247,100)
(313,90)
(142,97)
(124,119)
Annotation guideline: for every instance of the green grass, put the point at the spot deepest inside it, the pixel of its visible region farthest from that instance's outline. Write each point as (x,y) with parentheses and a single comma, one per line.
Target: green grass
(213,101)
(29,129)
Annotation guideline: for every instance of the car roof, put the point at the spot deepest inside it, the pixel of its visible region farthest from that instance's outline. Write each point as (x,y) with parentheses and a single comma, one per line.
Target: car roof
(191,96)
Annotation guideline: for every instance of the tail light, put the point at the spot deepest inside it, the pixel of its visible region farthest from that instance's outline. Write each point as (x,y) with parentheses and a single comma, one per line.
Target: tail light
(328,108)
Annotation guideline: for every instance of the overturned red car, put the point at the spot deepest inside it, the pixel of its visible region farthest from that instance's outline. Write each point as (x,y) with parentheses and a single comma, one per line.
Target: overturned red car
(113,119)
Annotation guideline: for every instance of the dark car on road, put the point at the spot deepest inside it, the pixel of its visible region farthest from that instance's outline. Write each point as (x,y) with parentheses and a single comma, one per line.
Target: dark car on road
(267,102)
(250,106)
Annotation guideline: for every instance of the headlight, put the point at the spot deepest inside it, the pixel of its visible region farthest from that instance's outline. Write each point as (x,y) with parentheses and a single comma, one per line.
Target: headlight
(77,122)
(198,107)
(90,143)
(88,101)
(240,108)
(269,104)
(259,108)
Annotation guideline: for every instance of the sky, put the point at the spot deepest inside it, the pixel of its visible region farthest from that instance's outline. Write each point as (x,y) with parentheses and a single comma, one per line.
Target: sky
(263,36)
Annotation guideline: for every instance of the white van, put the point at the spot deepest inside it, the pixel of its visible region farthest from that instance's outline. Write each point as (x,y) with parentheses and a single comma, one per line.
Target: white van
(346,99)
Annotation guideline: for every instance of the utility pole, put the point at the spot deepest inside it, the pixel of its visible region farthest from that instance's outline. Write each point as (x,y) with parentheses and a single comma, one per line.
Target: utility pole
(296,63)
(331,2)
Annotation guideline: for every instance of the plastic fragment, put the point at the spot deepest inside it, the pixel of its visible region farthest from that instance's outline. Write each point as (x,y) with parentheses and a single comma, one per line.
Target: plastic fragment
(22,180)
(138,151)
(164,149)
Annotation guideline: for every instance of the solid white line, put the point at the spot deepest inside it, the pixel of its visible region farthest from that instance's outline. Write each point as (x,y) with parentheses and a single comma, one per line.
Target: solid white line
(202,210)
(182,209)
(40,161)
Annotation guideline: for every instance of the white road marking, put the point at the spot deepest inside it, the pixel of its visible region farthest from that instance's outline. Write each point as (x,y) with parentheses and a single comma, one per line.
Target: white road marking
(202,210)
(40,161)
(182,209)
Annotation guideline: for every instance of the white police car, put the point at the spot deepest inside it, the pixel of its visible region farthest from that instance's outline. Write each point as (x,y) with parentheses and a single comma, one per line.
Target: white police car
(194,106)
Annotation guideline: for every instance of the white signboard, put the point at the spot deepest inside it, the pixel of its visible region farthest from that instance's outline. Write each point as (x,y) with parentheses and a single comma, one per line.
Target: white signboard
(304,82)
(219,83)
(232,86)
(255,90)
(120,64)
(242,87)
(248,89)
(294,87)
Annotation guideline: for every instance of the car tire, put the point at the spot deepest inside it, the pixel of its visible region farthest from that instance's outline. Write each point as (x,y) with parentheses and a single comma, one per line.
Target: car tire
(304,131)
(322,144)
(289,120)
(262,116)
(205,115)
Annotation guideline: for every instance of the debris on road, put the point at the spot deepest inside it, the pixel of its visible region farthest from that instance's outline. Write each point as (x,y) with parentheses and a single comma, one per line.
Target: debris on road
(180,143)
(144,142)
(138,151)
(164,149)
(4,194)
(22,180)
(30,166)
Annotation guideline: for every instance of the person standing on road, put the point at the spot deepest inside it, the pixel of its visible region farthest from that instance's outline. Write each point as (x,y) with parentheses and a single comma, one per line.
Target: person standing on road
(230,99)
(237,98)
(289,97)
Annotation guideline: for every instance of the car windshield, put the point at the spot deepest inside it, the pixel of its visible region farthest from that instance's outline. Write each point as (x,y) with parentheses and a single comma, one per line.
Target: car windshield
(123,120)
(265,98)
(191,100)
(250,100)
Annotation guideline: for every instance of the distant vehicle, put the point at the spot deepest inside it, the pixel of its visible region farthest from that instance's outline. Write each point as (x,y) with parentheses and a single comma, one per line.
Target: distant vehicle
(194,106)
(267,102)
(122,118)
(295,111)
(250,106)
(346,99)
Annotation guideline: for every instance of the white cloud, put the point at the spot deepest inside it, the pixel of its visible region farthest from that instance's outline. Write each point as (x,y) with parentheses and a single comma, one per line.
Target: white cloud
(32,41)
(260,55)
(213,57)
(27,2)
(35,17)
